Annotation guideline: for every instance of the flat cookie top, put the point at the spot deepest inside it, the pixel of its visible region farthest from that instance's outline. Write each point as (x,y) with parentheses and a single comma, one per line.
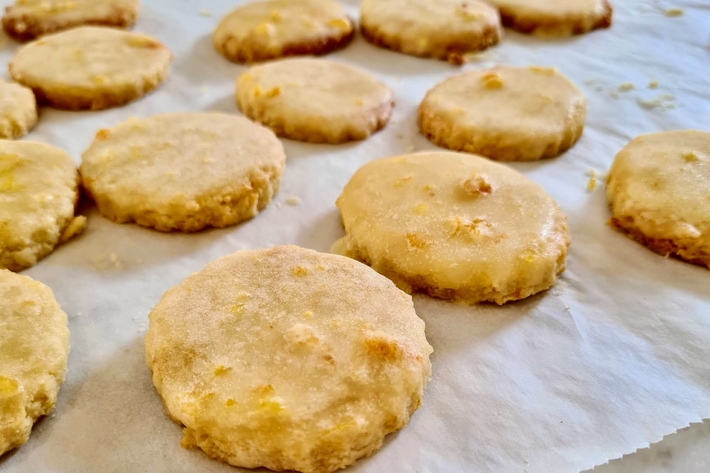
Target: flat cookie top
(313,93)
(274,28)
(442,25)
(461,218)
(34,345)
(18,110)
(527,104)
(170,161)
(89,59)
(662,181)
(286,344)
(26,19)
(38,192)
(555,8)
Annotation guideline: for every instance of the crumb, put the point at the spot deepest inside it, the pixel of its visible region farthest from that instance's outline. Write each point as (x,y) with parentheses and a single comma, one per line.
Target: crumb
(614,95)
(478,57)
(293,201)
(626,86)
(205,13)
(75,228)
(659,101)
(653,84)
(672,12)
(592,184)
(591,81)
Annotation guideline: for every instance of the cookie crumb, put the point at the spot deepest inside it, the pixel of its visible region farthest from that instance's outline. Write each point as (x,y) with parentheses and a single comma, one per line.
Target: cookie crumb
(653,84)
(75,228)
(592,184)
(292,201)
(626,86)
(205,13)
(673,12)
(476,185)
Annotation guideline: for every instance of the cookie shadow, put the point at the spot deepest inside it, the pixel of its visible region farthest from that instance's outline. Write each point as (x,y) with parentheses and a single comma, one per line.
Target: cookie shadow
(225,104)
(321,234)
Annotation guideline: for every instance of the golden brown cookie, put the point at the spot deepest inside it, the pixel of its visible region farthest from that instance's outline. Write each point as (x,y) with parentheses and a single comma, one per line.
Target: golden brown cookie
(288,359)
(28,19)
(454,226)
(38,196)
(34,346)
(183,171)
(555,18)
(18,110)
(442,29)
(91,68)
(270,29)
(314,100)
(506,113)
(659,193)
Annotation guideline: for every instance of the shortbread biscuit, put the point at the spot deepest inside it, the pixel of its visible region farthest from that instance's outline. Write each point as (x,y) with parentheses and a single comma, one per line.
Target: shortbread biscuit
(38,196)
(263,30)
(34,346)
(506,113)
(442,29)
(91,68)
(555,18)
(183,171)
(314,100)
(28,19)
(454,226)
(288,359)
(18,110)
(659,193)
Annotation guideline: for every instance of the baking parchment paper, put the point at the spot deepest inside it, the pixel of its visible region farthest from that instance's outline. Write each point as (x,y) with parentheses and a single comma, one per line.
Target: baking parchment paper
(613,358)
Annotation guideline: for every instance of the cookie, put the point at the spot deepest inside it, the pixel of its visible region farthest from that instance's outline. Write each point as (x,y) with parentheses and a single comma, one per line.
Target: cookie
(271,29)
(91,68)
(18,110)
(183,171)
(34,346)
(288,359)
(505,113)
(454,226)
(442,29)
(659,193)
(555,18)
(38,196)
(28,19)
(314,100)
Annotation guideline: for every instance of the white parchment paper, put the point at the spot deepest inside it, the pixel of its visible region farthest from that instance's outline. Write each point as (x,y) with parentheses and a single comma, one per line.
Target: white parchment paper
(613,358)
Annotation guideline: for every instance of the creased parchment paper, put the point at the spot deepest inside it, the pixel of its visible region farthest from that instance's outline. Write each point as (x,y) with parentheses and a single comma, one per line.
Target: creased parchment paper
(613,358)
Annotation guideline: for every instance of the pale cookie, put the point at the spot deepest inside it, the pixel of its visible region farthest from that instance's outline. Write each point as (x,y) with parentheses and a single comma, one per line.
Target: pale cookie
(270,29)
(28,19)
(91,68)
(506,113)
(38,196)
(314,100)
(183,171)
(18,110)
(454,226)
(34,346)
(555,18)
(288,359)
(442,29)
(659,193)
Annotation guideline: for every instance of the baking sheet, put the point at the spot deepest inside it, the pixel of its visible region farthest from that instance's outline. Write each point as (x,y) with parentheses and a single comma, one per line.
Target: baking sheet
(613,358)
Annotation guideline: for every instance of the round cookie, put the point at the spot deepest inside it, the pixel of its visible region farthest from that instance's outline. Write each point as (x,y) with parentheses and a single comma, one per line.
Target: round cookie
(28,19)
(270,29)
(183,171)
(659,193)
(314,100)
(91,68)
(554,18)
(38,196)
(287,358)
(441,29)
(18,110)
(454,226)
(505,113)
(34,346)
